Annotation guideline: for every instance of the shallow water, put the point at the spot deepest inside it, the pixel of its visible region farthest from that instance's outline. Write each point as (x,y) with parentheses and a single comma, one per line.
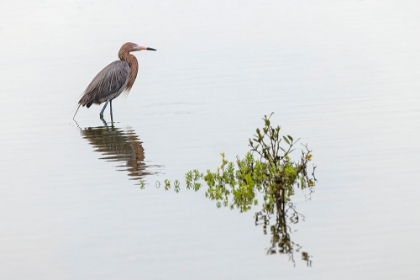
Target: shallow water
(340,75)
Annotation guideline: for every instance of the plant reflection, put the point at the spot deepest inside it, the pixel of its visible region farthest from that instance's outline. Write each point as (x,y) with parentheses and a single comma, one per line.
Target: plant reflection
(120,145)
(268,176)
(280,231)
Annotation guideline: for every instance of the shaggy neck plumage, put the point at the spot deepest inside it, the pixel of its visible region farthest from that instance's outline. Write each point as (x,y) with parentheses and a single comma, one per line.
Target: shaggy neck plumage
(124,55)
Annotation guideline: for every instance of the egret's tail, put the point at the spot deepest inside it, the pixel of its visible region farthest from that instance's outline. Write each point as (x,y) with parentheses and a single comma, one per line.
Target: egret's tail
(76,111)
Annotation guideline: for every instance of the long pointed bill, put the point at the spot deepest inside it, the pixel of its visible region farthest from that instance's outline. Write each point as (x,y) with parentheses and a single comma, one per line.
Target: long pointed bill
(142,48)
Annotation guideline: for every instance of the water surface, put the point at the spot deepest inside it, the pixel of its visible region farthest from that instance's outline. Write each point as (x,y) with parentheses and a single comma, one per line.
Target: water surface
(340,75)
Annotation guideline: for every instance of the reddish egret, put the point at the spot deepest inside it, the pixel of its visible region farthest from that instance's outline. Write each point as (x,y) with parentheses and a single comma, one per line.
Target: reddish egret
(113,79)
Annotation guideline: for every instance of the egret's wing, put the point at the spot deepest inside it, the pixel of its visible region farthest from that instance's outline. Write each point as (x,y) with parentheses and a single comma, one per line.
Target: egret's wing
(111,80)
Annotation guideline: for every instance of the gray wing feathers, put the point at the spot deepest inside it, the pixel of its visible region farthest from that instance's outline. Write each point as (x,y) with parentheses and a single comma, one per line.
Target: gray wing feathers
(108,84)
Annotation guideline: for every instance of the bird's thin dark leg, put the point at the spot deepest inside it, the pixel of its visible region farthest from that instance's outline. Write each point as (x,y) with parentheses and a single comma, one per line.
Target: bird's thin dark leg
(101,114)
(110,109)
(104,122)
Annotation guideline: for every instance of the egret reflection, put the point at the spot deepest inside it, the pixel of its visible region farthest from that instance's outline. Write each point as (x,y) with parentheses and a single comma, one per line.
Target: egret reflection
(122,146)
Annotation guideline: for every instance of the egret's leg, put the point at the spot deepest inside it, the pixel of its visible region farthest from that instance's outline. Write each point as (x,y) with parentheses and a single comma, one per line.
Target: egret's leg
(104,122)
(101,114)
(110,109)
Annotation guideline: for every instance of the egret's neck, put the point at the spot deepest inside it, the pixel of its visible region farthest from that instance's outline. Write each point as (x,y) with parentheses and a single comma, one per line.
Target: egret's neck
(134,67)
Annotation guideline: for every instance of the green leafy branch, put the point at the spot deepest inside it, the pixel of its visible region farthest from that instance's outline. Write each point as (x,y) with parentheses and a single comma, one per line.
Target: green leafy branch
(267,168)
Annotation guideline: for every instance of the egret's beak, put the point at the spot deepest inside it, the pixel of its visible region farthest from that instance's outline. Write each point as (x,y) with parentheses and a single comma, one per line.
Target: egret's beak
(142,48)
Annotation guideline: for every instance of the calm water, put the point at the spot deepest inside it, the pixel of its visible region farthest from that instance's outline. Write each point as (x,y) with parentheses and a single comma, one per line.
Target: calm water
(341,75)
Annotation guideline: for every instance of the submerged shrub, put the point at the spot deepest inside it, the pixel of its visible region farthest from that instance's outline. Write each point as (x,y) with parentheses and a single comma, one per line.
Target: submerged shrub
(267,168)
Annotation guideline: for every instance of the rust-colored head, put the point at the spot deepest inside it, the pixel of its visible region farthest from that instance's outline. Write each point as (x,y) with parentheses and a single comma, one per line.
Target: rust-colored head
(124,54)
(132,47)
